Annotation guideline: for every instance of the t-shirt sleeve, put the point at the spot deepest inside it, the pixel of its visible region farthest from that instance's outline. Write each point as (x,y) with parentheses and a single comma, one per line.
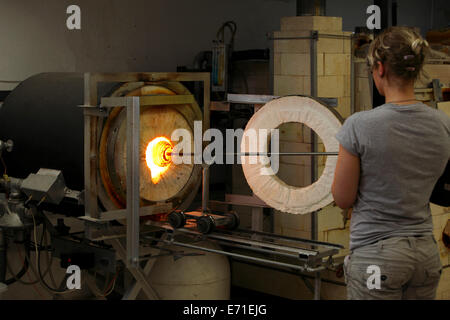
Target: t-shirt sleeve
(348,136)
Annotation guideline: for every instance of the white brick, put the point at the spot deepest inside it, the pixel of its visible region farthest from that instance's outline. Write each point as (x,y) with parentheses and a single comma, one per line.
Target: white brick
(277,63)
(291,131)
(336,64)
(287,85)
(329,45)
(294,175)
(287,146)
(329,218)
(296,233)
(341,237)
(344,107)
(330,86)
(295,64)
(320,64)
(320,23)
(290,45)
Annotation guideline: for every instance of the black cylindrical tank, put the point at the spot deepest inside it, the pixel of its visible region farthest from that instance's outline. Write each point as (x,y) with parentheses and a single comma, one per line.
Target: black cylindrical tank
(42,117)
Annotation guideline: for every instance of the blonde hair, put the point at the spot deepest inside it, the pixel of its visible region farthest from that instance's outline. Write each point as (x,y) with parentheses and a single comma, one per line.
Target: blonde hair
(402,49)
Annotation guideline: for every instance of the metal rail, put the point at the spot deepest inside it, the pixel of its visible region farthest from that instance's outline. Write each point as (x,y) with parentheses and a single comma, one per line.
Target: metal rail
(312,259)
(256,154)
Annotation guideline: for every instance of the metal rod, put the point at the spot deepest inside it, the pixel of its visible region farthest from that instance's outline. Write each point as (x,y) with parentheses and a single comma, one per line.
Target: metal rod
(352,76)
(293,239)
(205,187)
(314,169)
(256,249)
(133,196)
(255,154)
(317,285)
(297,267)
(337,283)
(298,251)
(320,35)
(334,248)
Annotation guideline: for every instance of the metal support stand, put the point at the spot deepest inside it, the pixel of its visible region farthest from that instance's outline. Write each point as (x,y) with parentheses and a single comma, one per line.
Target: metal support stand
(137,272)
(133,197)
(317,284)
(205,187)
(134,290)
(314,173)
(92,112)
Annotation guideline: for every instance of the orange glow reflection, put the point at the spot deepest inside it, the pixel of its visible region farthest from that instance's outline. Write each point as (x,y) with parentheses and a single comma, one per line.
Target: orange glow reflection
(158,157)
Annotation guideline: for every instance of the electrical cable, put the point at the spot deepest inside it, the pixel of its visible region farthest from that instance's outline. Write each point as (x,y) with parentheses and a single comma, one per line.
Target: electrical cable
(4,166)
(32,282)
(109,286)
(19,275)
(26,260)
(25,267)
(221,32)
(49,261)
(52,290)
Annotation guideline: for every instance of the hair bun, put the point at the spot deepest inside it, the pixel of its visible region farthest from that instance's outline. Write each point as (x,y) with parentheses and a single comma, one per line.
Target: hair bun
(418,44)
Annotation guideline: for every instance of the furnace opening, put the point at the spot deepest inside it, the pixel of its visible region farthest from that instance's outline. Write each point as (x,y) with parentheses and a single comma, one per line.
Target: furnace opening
(158,157)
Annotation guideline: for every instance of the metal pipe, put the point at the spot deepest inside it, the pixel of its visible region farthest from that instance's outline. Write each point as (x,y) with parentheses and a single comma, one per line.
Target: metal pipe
(205,187)
(282,264)
(133,195)
(257,249)
(317,285)
(311,7)
(314,146)
(268,154)
(352,76)
(296,273)
(319,35)
(270,236)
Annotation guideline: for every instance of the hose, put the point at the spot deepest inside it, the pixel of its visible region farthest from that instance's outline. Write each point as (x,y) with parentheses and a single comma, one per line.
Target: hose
(19,275)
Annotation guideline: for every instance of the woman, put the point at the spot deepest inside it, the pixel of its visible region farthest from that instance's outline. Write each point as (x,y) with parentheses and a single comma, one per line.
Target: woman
(389,161)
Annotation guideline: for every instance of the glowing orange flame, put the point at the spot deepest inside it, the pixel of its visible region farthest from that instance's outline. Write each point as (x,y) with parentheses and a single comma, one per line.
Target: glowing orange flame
(158,157)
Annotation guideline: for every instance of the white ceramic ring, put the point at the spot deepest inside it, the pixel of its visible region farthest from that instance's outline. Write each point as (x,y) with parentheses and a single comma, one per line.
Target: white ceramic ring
(271,189)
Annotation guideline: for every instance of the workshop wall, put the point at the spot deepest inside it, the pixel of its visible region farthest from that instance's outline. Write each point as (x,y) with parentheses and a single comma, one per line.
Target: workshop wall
(119,36)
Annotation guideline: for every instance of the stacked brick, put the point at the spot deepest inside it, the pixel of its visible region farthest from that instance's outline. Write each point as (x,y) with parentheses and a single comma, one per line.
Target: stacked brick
(292,75)
(292,69)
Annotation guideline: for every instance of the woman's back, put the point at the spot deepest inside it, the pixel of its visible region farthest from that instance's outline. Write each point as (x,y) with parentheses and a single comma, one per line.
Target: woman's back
(403,150)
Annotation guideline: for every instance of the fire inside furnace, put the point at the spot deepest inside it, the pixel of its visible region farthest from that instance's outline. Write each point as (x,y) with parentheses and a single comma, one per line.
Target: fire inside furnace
(158,157)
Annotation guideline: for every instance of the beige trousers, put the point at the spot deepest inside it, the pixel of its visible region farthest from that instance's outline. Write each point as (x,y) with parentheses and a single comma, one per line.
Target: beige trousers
(393,269)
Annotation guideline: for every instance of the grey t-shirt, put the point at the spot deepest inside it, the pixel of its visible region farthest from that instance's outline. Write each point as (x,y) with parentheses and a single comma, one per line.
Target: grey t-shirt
(403,152)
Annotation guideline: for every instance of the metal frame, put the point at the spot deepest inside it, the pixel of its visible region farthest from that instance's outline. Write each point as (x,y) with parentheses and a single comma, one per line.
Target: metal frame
(252,240)
(257,211)
(298,254)
(92,111)
(314,146)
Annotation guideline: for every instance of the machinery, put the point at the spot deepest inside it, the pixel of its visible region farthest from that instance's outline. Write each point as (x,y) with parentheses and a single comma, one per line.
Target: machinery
(109,135)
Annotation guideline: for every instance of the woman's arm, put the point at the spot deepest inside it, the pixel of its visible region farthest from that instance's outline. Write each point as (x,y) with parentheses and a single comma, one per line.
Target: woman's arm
(346,179)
